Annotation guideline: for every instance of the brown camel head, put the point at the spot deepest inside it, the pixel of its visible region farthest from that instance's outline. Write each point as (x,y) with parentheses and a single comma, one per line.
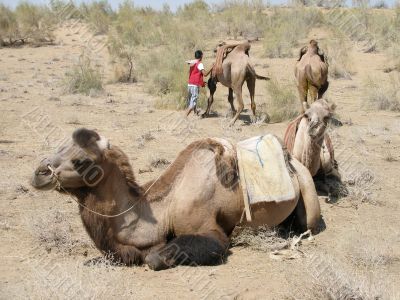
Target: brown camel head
(312,48)
(319,115)
(78,163)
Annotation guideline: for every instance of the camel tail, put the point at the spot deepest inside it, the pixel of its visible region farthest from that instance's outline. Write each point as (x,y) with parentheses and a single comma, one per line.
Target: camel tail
(309,76)
(262,77)
(253,72)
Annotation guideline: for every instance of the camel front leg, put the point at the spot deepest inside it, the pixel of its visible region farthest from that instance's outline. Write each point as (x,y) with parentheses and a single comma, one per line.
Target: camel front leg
(126,254)
(313,90)
(308,211)
(190,249)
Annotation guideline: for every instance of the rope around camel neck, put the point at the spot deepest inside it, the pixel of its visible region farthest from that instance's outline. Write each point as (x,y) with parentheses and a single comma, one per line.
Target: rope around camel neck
(59,186)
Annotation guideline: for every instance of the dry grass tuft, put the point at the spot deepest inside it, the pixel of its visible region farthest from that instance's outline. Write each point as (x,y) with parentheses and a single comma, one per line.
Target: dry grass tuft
(384,96)
(83,78)
(285,28)
(262,239)
(29,23)
(359,186)
(159,163)
(282,104)
(338,54)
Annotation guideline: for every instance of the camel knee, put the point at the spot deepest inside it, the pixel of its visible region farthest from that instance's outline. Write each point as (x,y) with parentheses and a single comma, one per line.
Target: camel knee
(128,255)
(204,249)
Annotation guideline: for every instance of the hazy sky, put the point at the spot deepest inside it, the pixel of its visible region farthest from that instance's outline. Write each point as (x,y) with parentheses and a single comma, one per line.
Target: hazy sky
(153,3)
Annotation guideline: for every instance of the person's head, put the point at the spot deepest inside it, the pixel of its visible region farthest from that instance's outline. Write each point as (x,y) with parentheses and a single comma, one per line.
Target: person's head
(198,54)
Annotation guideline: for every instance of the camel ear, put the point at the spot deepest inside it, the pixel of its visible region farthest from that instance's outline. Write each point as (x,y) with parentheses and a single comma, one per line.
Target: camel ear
(332,107)
(90,141)
(302,52)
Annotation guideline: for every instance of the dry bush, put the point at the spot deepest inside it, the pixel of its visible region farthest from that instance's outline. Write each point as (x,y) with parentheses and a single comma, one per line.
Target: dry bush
(239,18)
(263,239)
(358,186)
(282,102)
(83,78)
(329,279)
(339,58)
(64,10)
(371,254)
(55,232)
(383,96)
(285,28)
(98,14)
(8,26)
(27,24)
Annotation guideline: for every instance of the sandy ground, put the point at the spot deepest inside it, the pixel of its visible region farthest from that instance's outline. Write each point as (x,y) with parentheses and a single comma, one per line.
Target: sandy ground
(358,250)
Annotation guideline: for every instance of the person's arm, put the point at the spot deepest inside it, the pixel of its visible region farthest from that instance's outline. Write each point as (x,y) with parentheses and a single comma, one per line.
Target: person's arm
(205,74)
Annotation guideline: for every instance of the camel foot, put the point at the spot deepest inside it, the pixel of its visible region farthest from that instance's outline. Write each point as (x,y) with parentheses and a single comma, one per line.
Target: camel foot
(156,262)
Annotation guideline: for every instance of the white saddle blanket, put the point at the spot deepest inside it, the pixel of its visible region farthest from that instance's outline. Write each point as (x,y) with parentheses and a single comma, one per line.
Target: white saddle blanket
(263,173)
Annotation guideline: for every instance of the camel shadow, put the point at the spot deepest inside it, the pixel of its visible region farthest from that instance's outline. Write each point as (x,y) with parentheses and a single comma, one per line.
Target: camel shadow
(332,188)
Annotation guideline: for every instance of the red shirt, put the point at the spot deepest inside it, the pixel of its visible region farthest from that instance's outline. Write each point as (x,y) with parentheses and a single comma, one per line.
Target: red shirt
(195,75)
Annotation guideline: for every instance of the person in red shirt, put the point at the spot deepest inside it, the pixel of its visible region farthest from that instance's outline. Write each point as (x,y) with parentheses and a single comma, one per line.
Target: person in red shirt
(196,80)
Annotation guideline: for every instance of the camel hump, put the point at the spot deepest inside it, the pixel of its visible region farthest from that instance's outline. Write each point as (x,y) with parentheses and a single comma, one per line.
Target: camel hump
(223,51)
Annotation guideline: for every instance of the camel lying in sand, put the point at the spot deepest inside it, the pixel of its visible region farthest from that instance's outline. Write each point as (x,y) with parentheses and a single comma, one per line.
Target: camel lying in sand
(311,73)
(232,69)
(183,217)
(306,139)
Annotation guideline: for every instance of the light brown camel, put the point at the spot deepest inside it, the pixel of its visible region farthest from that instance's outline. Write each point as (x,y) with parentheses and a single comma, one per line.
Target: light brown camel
(183,217)
(232,69)
(311,73)
(307,141)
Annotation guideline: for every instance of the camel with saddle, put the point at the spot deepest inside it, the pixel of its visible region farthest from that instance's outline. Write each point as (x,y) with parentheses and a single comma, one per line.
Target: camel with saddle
(232,68)
(186,215)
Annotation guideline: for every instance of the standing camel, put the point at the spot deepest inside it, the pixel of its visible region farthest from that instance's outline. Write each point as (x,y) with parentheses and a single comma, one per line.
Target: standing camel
(311,73)
(185,216)
(232,68)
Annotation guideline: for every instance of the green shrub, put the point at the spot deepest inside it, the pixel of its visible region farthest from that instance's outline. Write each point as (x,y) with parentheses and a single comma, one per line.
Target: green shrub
(83,78)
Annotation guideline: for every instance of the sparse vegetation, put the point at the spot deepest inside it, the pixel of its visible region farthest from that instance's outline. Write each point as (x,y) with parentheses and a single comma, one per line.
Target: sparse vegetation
(98,14)
(83,78)
(384,96)
(55,232)
(286,28)
(27,24)
(359,185)
(282,102)
(338,54)
(263,239)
